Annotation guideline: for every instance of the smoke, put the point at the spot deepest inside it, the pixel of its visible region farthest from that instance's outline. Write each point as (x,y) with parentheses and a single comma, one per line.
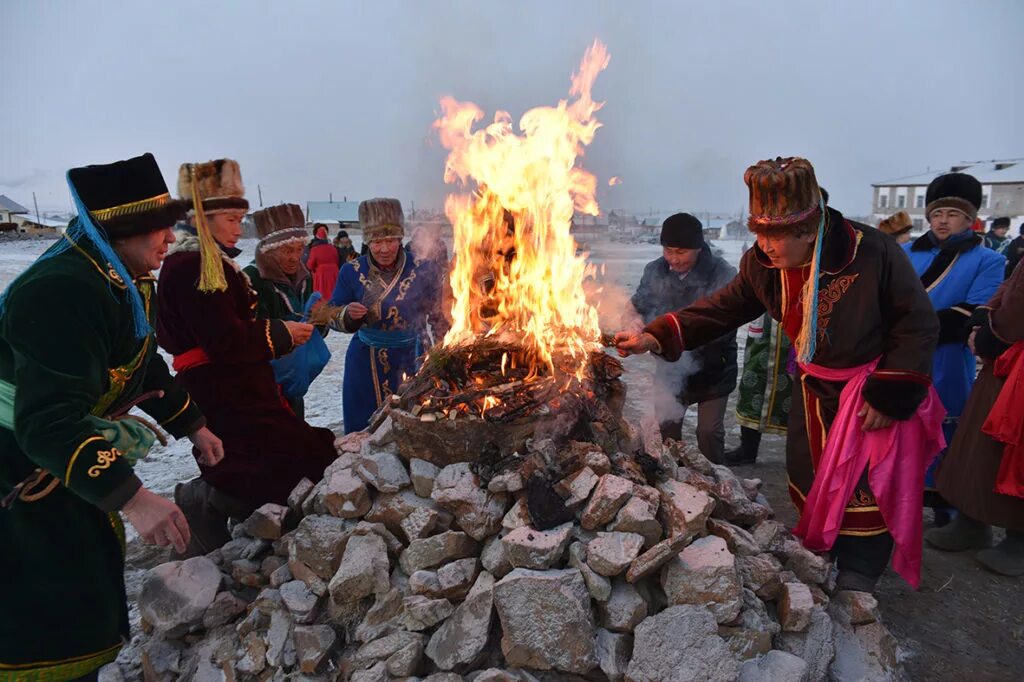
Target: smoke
(669,381)
(427,244)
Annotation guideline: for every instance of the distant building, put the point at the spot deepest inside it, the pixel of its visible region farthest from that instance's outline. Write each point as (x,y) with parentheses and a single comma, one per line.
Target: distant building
(9,211)
(1002,184)
(333,213)
(31,225)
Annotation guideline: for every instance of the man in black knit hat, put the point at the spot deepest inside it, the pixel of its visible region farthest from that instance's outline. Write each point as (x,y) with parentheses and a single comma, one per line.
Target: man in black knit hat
(687,272)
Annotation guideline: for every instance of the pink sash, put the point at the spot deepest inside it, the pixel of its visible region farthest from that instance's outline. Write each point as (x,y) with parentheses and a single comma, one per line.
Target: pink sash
(897,458)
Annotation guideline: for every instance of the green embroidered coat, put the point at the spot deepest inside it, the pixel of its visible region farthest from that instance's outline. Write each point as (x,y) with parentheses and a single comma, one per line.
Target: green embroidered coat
(67,345)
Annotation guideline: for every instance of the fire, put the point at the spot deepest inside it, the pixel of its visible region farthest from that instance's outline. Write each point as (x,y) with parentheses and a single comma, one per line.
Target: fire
(516,272)
(614,180)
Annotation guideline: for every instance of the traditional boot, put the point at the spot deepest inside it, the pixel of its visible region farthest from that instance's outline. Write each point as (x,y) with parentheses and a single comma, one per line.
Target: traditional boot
(855,582)
(1006,558)
(746,453)
(960,534)
(207,511)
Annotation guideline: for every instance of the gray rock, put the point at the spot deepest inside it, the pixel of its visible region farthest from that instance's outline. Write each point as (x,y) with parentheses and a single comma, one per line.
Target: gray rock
(613,653)
(680,645)
(246,572)
(809,567)
(794,606)
(382,469)
(610,494)
(280,576)
(300,600)
(477,511)
(344,494)
(363,570)
(816,645)
(313,644)
(443,677)
(600,587)
(516,517)
(770,535)
(319,543)
(775,666)
(624,609)
(406,661)
(457,577)
(177,594)
(393,544)
(111,672)
(546,620)
(224,608)
(419,524)
(598,462)
(740,541)
(684,509)
(638,517)
(494,558)
(760,573)
(266,522)
(298,495)
(383,649)
(278,637)
(861,608)
(611,553)
(705,573)
(657,556)
(537,549)
(383,617)
(391,508)
(463,637)
(576,487)
(421,613)
(507,482)
(863,652)
(754,632)
(375,673)
(423,475)
(425,583)
(254,655)
(436,550)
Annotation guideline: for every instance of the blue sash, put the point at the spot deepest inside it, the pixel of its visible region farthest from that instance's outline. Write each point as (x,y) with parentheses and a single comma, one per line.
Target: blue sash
(377,338)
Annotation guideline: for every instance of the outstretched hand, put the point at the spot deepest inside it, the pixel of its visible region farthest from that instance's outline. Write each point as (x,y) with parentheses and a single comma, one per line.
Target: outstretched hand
(211,448)
(634,343)
(873,419)
(158,520)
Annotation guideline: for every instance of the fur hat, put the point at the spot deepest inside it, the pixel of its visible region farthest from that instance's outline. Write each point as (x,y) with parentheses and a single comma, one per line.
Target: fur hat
(280,225)
(954,190)
(896,224)
(127,197)
(381,219)
(218,184)
(784,195)
(682,231)
(1001,222)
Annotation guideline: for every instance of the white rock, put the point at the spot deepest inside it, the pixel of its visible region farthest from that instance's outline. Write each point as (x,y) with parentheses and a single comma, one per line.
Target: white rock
(613,653)
(610,494)
(704,573)
(423,474)
(382,468)
(436,550)
(344,495)
(463,637)
(610,554)
(680,644)
(795,605)
(624,609)
(537,549)
(301,602)
(177,594)
(363,570)
(600,587)
(775,666)
(684,509)
(477,511)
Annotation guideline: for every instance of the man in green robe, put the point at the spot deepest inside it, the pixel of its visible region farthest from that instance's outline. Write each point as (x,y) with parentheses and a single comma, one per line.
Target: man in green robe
(76,352)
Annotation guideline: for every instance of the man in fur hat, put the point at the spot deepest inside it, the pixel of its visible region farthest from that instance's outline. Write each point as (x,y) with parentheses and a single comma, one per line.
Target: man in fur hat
(387,301)
(850,302)
(222,353)
(687,272)
(897,226)
(277,274)
(76,353)
(959,274)
(996,238)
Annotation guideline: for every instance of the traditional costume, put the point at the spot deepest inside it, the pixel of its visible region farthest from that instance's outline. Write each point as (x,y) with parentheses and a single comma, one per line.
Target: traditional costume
(897,226)
(222,353)
(959,274)
(324,261)
(401,301)
(77,350)
(983,473)
(864,331)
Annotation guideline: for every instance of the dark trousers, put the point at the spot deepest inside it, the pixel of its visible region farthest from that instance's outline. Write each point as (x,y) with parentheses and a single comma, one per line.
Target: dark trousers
(865,555)
(208,511)
(710,428)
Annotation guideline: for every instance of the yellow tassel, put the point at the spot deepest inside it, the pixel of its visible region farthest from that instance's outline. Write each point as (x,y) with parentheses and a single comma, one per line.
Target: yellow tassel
(211,270)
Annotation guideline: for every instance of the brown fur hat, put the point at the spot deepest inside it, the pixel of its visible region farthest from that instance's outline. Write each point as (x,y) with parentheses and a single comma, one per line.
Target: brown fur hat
(896,224)
(280,225)
(381,218)
(219,185)
(784,196)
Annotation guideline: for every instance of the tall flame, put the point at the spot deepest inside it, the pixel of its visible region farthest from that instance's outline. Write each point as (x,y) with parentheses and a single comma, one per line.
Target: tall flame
(516,271)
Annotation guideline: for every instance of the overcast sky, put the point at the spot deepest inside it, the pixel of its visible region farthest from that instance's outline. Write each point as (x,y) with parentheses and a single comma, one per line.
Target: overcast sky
(319,97)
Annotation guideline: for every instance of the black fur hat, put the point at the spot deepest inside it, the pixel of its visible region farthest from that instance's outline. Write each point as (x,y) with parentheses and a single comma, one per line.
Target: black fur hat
(682,231)
(954,190)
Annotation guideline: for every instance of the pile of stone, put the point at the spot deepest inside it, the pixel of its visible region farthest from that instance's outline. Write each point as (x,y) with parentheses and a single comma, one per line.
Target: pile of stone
(669,568)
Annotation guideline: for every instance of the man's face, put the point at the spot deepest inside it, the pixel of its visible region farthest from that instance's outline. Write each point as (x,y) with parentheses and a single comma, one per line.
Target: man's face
(385,251)
(287,257)
(789,251)
(946,222)
(344,242)
(680,260)
(145,252)
(1000,231)
(226,227)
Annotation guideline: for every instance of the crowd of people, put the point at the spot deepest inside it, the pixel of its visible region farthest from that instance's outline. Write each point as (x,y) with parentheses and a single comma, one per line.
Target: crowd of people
(862,347)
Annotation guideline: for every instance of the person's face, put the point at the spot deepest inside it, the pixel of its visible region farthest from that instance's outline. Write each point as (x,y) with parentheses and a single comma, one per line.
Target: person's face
(287,257)
(789,251)
(385,251)
(680,260)
(226,227)
(1000,231)
(144,252)
(344,242)
(946,222)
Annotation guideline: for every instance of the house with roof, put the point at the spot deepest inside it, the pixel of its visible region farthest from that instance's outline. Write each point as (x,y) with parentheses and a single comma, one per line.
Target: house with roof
(29,224)
(1002,192)
(10,210)
(342,214)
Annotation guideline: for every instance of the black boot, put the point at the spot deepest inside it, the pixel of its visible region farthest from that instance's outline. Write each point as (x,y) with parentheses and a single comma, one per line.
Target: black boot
(746,453)
(1006,558)
(960,534)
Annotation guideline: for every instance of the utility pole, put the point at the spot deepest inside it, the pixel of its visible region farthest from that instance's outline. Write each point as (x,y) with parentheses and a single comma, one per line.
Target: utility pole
(36,203)
(259,190)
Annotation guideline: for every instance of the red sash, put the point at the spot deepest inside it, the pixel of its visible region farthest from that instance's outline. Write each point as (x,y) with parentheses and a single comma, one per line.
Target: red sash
(1005,421)
(195,357)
